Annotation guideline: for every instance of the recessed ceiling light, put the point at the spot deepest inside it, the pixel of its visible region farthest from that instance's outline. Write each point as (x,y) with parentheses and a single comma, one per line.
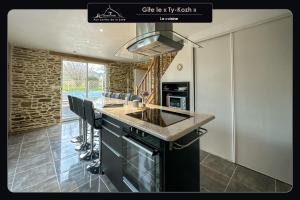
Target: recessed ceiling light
(101,29)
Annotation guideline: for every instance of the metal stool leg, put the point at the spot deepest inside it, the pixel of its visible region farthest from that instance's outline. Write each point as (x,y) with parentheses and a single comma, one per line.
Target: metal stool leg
(95,167)
(78,138)
(85,145)
(90,154)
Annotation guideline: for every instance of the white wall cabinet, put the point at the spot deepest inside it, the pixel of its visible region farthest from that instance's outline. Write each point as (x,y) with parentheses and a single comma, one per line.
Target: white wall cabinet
(263,98)
(213,94)
(253,123)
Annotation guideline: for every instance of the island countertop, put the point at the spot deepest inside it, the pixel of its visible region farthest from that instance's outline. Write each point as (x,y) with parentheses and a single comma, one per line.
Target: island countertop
(169,133)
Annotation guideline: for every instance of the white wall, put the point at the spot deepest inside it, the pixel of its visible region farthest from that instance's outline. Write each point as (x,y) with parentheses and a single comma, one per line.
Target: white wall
(184,57)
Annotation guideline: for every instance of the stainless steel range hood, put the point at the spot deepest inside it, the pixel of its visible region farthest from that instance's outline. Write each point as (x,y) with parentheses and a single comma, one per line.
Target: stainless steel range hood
(155,44)
(153,39)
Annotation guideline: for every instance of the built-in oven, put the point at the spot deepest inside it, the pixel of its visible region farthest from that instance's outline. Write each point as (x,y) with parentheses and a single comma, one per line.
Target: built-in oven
(141,162)
(176,102)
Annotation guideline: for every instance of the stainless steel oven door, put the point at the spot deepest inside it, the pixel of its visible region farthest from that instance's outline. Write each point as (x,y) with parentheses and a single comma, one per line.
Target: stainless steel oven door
(141,171)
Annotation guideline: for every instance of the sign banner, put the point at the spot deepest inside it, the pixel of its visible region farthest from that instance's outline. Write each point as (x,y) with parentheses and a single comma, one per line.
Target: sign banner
(149,12)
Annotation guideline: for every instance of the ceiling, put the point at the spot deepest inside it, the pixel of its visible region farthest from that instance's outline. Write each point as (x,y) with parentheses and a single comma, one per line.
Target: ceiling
(68,31)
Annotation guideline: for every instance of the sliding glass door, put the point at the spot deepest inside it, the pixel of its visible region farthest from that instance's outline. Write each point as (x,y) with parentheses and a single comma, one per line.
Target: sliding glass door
(96,80)
(83,80)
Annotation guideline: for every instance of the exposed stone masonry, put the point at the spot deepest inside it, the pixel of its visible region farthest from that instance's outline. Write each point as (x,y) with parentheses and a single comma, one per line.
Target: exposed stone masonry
(35,89)
(35,86)
(119,77)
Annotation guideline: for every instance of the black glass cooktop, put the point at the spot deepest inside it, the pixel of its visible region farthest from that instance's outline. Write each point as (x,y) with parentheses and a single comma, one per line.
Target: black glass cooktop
(159,117)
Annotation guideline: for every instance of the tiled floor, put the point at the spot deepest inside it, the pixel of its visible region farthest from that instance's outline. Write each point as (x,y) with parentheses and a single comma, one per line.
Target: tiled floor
(44,160)
(219,175)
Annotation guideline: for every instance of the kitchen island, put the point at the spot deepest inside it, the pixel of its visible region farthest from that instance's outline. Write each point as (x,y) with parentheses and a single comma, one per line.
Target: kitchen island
(152,149)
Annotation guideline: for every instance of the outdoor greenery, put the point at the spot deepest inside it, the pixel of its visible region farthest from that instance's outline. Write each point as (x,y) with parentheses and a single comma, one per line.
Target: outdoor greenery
(75,75)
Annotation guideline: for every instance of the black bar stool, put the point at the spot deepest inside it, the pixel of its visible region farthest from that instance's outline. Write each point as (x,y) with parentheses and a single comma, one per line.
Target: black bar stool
(122,96)
(94,120)
(128,95)
(135,97)
(116,95)
(78,138)
(78,107)
(107,94)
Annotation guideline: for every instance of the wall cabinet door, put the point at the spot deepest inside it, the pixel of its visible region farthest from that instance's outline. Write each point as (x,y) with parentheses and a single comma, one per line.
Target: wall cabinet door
(263,98)
(252,101)
(213,94)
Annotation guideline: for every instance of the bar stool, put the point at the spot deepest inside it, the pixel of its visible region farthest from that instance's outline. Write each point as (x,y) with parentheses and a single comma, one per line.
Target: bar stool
(135,97)
(121,96)
(128,95)
(78,138)
(94,120)
(116,95)
(78,107)
(107,94)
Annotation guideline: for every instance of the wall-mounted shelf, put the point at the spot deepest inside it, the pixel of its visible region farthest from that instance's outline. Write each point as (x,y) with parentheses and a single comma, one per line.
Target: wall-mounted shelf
(172,90)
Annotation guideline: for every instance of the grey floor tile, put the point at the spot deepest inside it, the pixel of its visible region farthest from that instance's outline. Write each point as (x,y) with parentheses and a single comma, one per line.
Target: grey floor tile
(14,147)
(203,189)
(13,152)
(212,180)
(35,150)
(50,185)
(74,178)
(35,143)
(95,185)
(62,132)
(35,161)
(238,187)
(14,139)
(33,176)
(11,167)
(282,187)
(9,187)
(203,154)
(108,183)
(221,165)
(10,179)
(9,182)
(59,138)
(254,180)
(68,164)
(64,144)
(35,135)
(66,152)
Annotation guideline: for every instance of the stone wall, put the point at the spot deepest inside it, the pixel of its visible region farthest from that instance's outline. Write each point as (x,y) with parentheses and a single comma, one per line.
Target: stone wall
(164,62)
(35,89)
(119,77)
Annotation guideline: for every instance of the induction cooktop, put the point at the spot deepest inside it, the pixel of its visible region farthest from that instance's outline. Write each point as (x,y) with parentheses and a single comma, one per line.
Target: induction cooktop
(159,117)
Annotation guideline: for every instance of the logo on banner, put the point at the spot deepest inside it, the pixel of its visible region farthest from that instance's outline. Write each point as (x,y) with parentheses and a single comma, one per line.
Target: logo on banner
(109,14)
